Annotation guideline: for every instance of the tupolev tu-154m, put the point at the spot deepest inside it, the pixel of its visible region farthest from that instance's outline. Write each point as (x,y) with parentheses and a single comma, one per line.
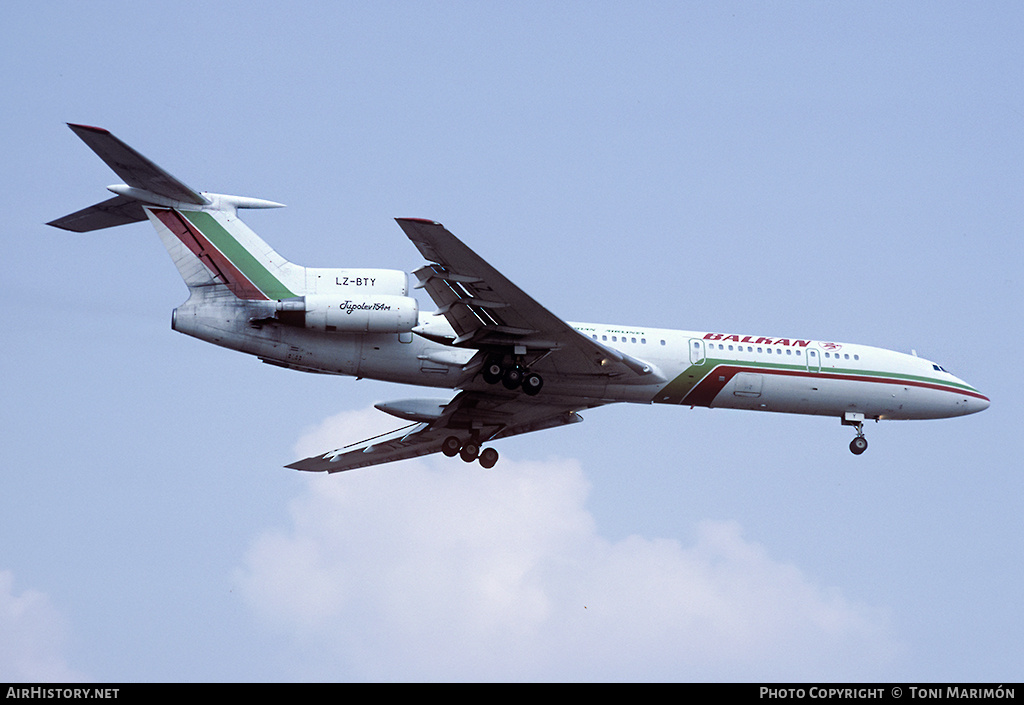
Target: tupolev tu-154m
(515,367)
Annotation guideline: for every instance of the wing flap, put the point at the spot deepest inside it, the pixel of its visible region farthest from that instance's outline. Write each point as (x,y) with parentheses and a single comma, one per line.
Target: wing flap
(401,444)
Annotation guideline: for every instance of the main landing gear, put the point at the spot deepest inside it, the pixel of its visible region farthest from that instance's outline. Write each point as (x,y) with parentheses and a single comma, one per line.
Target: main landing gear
(859,444)
(512,376)
(469,451)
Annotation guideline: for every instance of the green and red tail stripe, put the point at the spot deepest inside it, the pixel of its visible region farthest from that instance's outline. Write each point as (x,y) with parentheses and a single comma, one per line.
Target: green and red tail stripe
(223,255)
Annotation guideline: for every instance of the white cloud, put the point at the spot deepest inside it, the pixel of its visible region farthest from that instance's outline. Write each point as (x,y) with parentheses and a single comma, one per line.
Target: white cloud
(32,637)
(435,569)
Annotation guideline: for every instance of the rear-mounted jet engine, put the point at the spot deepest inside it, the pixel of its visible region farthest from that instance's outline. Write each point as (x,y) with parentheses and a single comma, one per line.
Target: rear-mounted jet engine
(363,313)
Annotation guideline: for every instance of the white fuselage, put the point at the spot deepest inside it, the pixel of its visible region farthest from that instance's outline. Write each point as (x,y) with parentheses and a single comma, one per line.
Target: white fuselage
(692,368)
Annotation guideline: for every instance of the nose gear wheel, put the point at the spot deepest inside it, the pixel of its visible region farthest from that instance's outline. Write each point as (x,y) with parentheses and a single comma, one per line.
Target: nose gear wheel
(859,444)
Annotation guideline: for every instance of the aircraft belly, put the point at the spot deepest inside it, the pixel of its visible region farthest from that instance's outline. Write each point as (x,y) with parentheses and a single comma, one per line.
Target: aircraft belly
(817,395)
(764,391)
(634,393)
(412,360)
(808,395)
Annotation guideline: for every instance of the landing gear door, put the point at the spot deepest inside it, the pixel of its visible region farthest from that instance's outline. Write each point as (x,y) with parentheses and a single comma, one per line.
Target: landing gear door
(697,353)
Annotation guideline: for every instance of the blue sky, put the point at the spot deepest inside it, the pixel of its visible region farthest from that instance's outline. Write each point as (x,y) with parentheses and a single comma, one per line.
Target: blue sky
(841,171)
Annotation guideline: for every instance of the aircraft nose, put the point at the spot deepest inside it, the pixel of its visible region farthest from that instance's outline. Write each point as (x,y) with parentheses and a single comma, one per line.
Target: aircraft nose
(976,404)
(971,401)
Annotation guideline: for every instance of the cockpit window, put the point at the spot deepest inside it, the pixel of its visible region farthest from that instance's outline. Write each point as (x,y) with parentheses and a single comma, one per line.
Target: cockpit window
(940,369)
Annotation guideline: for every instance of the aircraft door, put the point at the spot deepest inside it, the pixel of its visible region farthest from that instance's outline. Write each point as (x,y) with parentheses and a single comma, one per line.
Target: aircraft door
(813,360)
(697,351)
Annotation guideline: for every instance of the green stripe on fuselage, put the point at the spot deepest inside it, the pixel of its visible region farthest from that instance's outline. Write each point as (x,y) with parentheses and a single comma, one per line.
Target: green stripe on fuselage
(231,248)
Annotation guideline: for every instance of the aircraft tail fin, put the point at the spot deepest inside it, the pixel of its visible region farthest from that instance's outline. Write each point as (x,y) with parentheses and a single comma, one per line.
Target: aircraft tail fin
(212,247)
(209,245)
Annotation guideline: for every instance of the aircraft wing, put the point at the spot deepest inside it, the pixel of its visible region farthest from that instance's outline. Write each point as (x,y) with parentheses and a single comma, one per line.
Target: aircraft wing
(488,416)
(489,312)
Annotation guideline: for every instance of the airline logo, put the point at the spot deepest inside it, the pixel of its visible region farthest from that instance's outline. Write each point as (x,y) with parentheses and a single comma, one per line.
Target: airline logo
(759,341)
(790,342)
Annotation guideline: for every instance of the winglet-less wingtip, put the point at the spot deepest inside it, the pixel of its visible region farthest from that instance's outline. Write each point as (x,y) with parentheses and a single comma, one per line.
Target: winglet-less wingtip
(421,221)
(76,127)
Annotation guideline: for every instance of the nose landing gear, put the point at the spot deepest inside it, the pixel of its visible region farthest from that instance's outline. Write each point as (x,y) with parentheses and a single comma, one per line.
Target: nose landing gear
(859,444)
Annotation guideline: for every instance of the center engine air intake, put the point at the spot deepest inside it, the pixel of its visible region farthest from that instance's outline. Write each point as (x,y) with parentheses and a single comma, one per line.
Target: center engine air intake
(364,313)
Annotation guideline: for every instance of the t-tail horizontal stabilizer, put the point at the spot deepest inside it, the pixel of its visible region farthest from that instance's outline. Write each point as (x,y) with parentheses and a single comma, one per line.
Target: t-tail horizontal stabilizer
(145,184)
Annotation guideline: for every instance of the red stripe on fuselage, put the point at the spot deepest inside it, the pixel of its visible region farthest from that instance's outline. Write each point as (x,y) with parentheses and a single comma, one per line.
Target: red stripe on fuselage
(705,391)
(209,255)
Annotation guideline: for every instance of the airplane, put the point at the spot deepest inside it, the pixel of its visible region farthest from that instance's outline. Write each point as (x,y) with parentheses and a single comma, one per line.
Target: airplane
(513,365)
